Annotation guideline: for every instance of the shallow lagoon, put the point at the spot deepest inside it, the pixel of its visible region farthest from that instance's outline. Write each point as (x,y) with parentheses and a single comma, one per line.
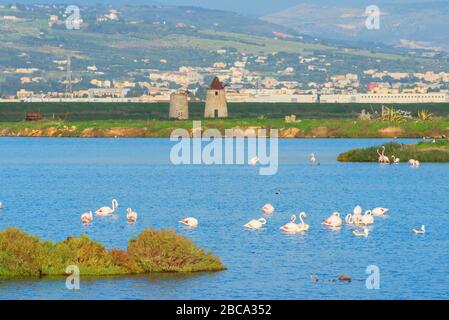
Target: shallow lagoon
(47,183)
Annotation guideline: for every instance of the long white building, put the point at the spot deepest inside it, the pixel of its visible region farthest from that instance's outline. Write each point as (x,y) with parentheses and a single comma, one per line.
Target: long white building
(441,97)
(386,98)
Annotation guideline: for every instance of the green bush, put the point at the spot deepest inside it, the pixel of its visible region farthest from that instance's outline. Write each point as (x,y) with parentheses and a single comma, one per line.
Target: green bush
(166,251)
(91,257)
(22,255)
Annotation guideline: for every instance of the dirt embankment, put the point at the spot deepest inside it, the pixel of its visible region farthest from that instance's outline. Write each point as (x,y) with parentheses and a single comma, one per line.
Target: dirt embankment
(118,132)
(391,132)
(47,132)
(130,132)
(56,132)
(284,133)
(260,131)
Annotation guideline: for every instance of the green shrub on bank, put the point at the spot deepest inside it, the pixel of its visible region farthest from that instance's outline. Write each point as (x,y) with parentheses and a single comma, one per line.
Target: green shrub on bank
(91,257)
(22,255)
(166,251)
(437,151)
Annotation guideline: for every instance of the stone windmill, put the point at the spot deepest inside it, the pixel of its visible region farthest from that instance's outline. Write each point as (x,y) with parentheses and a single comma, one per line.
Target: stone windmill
(216,104)
(179,105)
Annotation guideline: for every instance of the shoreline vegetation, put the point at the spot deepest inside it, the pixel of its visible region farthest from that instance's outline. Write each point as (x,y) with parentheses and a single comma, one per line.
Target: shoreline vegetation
(22,255)
(302,128)
(75,112)
(150,120)
(425,151)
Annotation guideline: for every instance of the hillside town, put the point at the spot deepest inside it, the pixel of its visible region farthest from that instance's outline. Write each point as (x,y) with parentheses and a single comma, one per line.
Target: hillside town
(242,85)
(277,76)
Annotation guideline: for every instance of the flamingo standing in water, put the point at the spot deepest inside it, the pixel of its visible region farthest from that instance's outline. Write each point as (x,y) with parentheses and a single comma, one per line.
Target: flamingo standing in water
(302,226)
(292,227)
(256,224)
(379,212)
(414,163)
(131,216)
(348,219)
(87,217)
(367,218)
(313,160)
(106,211)
(268,209)
(334,220)
(357,216)
(190,222)
(382,157)
(395,160)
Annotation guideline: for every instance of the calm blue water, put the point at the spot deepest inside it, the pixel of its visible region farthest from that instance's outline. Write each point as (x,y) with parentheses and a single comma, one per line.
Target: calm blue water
(45,184)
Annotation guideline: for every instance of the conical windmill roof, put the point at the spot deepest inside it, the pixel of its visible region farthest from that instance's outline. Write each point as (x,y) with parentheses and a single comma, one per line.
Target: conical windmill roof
(216,84)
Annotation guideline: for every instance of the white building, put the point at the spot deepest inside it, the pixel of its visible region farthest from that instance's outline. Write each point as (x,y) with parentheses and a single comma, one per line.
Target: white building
(367,98)
(439,97)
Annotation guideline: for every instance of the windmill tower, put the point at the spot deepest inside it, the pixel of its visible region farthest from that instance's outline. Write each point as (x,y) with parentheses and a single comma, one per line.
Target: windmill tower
(216,104)
(179,105)
(68,80)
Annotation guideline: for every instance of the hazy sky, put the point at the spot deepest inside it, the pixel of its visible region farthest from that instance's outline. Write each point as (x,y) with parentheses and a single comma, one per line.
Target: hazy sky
(249,7)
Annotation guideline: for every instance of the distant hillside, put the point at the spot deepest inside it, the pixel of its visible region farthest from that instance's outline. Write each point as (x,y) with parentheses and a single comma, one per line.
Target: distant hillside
(195,17)
(142,40)
(419,25)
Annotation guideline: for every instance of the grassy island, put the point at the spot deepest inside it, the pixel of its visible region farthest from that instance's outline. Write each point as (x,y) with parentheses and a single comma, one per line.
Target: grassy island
(425,151)
(22,255)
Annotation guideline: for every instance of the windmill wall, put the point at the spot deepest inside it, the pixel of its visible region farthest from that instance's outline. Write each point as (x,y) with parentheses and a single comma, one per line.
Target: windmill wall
(179,106)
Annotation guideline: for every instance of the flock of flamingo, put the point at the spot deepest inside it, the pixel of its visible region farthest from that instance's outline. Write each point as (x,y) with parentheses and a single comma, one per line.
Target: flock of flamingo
(386,160)
(88,217)
(334,221)
(131,216)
